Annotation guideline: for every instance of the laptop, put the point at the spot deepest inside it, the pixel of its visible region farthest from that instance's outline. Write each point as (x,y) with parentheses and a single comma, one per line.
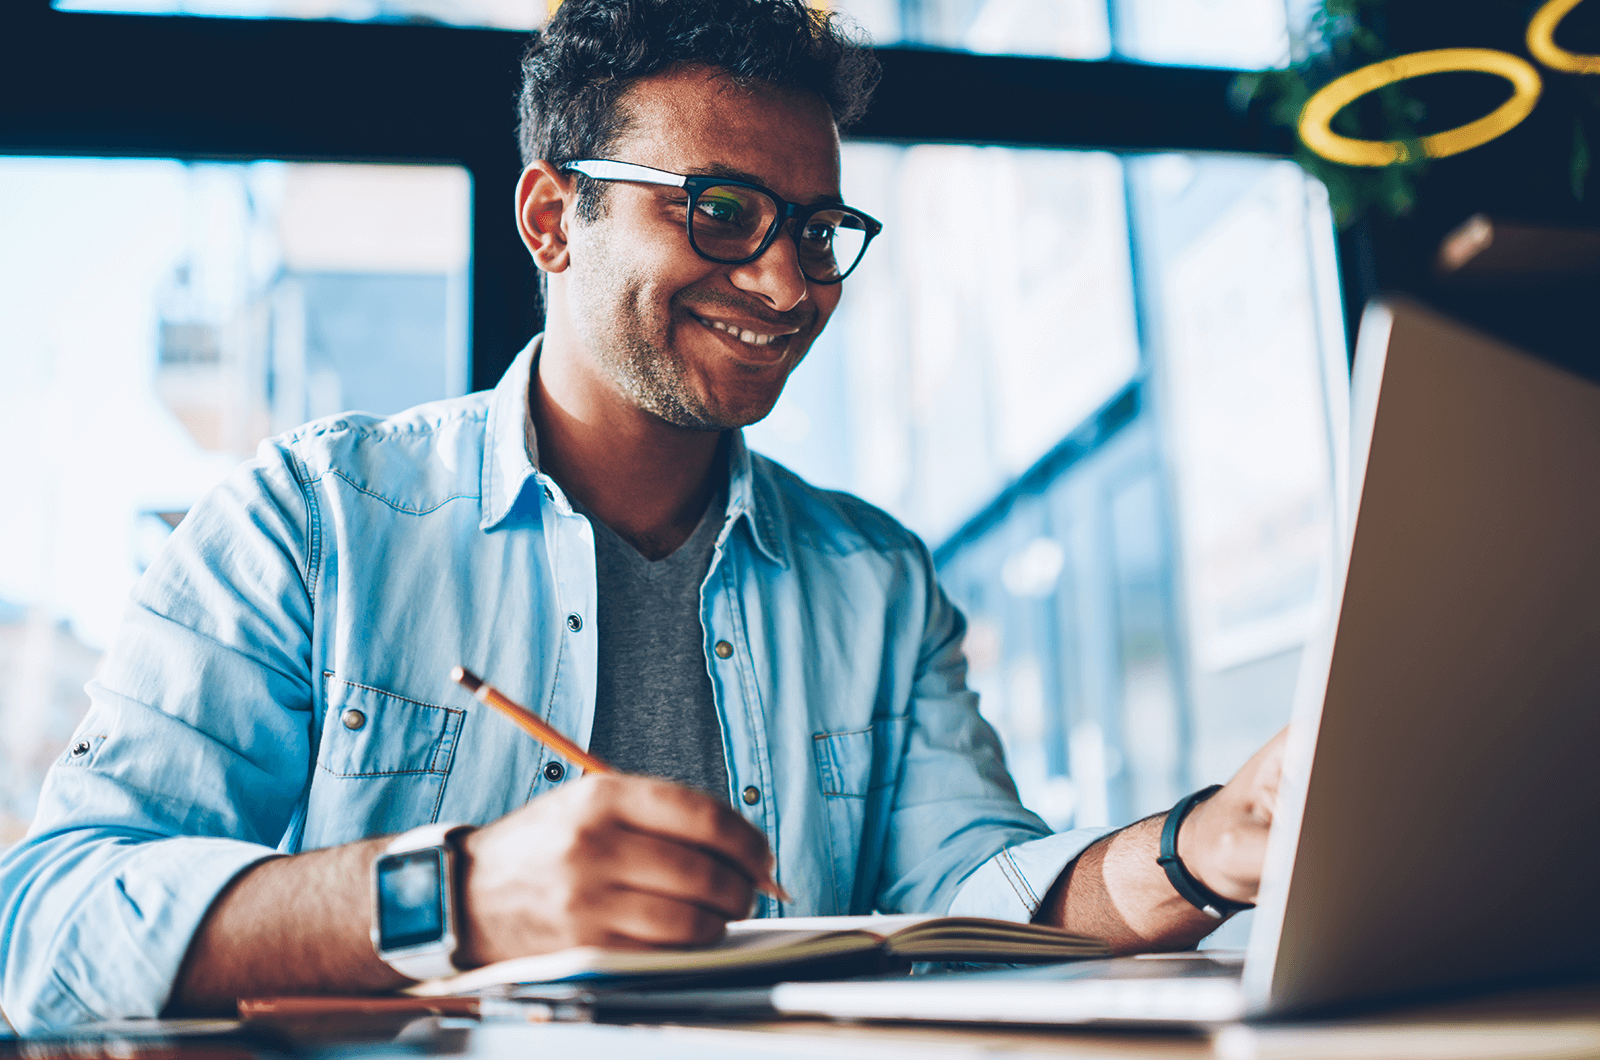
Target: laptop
(1439,819)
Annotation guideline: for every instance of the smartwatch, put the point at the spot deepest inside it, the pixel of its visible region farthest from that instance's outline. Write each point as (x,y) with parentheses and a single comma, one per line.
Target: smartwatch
(413,902)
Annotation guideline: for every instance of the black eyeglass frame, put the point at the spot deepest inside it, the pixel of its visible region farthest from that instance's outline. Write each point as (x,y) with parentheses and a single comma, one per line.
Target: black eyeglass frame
(609,169)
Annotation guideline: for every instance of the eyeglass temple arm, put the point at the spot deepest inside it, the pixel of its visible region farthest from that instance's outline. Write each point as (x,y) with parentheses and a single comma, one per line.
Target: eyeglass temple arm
(605,169)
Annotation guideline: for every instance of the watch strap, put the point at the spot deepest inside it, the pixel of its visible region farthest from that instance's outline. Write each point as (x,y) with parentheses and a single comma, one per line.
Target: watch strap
(433,965)
(429,835)
(1183,881)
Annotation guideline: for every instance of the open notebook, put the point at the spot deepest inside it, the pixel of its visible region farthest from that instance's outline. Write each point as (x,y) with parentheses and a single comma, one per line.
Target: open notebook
(768,946)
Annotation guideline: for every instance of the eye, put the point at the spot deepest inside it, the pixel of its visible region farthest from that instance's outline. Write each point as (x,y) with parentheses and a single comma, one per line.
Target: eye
(723,209)
(818,234)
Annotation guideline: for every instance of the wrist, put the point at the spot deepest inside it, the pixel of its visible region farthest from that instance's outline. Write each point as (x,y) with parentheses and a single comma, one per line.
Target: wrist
(468,936)
(1207,845)
(1139,910)
(1192,849)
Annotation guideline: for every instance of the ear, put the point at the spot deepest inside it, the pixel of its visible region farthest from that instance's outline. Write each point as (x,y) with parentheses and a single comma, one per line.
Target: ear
(546,200)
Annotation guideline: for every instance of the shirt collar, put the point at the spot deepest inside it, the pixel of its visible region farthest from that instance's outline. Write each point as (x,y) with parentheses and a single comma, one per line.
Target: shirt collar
(511,481)
(753,499)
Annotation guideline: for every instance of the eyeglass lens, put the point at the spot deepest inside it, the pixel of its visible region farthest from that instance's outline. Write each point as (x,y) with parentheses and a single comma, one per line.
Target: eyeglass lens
(729,222)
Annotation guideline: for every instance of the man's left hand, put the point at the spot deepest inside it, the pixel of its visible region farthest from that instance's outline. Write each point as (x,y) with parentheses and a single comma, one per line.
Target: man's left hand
(1116,891)
(1223,841)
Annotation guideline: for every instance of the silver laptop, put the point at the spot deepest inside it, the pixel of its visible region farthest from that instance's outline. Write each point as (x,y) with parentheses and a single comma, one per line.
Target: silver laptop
(1439,825)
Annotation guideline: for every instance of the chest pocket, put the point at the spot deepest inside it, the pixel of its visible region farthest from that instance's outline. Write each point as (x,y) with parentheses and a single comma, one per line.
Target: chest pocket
(856,770)
(368,732)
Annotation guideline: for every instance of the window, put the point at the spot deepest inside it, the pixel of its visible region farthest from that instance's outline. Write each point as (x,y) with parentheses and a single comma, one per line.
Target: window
(1243,34)
(993,315)
(1068,29)
(498,14)
(161,319)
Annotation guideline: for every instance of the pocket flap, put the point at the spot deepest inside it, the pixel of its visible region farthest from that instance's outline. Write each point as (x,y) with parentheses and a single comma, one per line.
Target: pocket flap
(857,762)
(369,732)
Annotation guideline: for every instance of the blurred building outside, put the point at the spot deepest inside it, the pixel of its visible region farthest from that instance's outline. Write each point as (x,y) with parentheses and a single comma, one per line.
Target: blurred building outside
(144,360)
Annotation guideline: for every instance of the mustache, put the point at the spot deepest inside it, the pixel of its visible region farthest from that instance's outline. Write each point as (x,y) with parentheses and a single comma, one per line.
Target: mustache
(800,317)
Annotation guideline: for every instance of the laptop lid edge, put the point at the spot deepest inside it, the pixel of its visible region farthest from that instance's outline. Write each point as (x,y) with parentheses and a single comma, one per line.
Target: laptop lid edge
(1261,952)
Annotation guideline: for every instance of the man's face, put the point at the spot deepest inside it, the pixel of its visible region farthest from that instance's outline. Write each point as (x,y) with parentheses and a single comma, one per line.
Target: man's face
(699,344)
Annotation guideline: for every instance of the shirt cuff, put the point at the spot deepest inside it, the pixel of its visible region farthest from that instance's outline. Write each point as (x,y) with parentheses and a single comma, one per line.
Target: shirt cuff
(1012,884)
(120,956)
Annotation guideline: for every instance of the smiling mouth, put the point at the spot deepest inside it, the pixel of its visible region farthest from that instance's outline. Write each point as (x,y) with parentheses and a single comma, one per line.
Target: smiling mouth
(745,335)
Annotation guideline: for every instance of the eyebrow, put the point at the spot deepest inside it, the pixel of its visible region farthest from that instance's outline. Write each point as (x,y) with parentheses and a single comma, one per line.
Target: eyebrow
(751,178)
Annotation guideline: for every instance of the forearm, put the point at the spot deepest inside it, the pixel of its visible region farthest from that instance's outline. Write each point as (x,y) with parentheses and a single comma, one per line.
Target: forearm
(295,925)
(1115,891)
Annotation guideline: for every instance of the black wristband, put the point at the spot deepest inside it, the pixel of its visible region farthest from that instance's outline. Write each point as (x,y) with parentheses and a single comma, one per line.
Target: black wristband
(1194,892)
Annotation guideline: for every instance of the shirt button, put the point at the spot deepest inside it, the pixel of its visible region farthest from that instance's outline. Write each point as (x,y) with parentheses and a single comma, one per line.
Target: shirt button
(751,795)
(549,495)
(80,748)
(574,622)
(724,650)
(353,719)
(554,771)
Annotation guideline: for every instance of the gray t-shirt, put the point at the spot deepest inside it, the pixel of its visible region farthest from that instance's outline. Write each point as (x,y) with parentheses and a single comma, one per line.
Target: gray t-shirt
(654,710)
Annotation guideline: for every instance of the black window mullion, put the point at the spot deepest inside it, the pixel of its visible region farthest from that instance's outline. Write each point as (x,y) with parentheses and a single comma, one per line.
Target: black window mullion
(957,97)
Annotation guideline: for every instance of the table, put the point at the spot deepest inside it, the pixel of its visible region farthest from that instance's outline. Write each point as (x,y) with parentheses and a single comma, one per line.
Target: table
(1532,1024)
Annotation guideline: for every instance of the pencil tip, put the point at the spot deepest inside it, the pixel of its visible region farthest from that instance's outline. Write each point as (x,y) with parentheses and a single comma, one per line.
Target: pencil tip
(466,679)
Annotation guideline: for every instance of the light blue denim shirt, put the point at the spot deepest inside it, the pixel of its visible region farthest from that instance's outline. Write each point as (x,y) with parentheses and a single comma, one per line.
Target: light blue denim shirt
(281,683)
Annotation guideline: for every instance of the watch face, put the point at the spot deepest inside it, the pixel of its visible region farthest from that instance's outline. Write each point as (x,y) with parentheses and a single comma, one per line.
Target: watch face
(410,898)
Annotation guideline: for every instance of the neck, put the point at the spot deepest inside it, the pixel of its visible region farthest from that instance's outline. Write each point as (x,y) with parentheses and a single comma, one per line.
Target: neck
(646,479)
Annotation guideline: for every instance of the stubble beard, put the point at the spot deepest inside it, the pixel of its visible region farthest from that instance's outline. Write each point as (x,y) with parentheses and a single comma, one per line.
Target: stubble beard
(652,380)
(640,364)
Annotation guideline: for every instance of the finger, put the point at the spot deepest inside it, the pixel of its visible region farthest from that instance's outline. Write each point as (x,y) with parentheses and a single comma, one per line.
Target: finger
(664,867)
(683,815)
(634,919)
(1268,777)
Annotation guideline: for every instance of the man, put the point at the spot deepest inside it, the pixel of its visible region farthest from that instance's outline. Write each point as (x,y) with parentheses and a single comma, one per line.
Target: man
(592,537)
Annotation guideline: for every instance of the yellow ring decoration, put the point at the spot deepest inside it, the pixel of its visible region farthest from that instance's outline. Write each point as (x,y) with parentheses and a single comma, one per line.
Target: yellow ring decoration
(1317,115)
(1542,40)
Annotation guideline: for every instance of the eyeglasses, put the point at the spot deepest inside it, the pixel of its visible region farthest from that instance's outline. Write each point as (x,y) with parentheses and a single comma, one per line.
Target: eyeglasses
(733,221)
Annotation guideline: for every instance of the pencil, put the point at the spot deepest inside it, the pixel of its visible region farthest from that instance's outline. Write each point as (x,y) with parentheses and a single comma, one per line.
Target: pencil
(550,737)
(529,722)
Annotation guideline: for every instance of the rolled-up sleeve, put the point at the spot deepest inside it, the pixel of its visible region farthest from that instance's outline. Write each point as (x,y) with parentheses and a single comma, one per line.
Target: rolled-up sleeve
(188,768)
(961,842)
(1012,884)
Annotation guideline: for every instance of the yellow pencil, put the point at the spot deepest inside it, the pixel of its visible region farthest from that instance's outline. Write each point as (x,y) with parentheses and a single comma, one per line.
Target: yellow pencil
(547,735)
(530,722)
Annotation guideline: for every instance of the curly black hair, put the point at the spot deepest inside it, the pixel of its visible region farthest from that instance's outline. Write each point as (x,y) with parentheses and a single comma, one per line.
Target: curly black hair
(577,71)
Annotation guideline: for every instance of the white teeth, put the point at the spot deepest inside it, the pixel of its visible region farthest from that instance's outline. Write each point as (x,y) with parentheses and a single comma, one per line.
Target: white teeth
(743,336)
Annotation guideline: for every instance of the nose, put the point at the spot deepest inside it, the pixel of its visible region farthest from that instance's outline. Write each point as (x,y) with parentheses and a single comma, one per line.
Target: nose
(775,276)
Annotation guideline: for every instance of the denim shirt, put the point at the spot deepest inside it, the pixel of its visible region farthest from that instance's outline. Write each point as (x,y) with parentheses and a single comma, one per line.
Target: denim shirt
(281,683)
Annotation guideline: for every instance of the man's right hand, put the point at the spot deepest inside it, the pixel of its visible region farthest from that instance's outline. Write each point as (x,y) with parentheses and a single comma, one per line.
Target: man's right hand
(607,861)
(618,861)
